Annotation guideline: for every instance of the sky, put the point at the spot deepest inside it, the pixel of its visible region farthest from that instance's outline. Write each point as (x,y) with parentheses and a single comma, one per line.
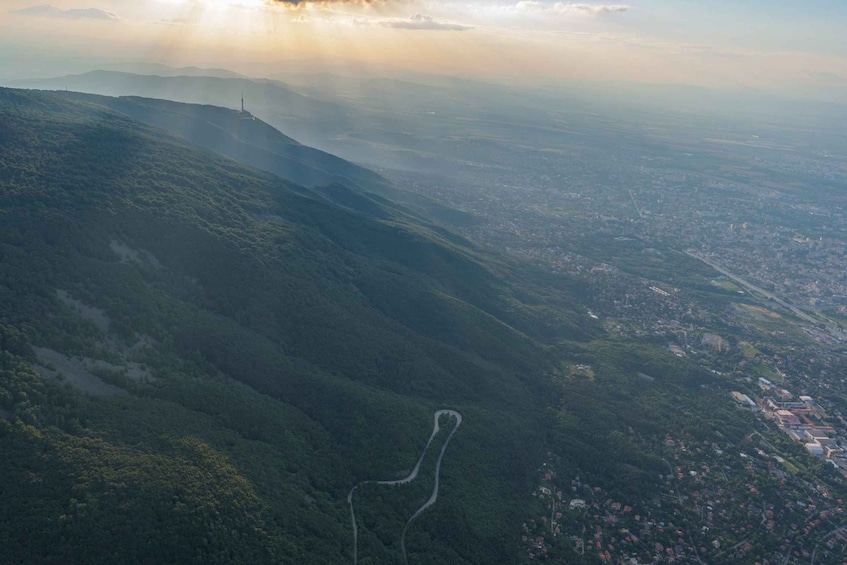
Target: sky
(791,47)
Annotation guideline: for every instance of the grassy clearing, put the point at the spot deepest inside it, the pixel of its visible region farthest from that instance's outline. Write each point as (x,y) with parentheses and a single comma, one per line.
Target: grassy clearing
(725,284)
(758,312)
(789,466)
(768,372)
(748,349)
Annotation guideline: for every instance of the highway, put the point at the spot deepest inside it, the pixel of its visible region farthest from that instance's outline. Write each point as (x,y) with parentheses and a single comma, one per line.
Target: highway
(751,287)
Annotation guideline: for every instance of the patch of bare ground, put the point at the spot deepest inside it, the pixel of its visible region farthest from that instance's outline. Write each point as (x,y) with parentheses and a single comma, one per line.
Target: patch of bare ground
(94,315)
(74,371)
(130,255)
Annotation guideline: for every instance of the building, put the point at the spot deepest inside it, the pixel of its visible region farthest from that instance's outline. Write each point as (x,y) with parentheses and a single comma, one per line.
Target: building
(743,399)
(828,443)
(796,435)
(786,419)
(815,449)
(817,435)
(784,394)
(814,406)
(833,452)
(775,405)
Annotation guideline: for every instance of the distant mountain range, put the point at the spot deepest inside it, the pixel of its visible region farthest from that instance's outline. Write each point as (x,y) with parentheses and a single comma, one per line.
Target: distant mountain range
(158,69)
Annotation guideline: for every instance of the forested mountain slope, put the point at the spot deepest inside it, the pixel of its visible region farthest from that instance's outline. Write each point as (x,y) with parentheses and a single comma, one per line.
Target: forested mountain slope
(249,140)
(200,359)
(241,136)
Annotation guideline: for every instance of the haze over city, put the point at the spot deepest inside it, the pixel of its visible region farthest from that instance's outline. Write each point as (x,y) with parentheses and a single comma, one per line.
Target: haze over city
(789,48)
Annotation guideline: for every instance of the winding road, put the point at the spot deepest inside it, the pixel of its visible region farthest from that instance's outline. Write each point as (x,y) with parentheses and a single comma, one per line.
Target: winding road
(407,479)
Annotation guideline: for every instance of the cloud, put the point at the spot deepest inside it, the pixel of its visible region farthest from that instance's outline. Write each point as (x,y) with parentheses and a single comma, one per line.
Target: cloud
(827,77)
(173,22)
(535,7)
(423,22)
(301,3)
(46,10)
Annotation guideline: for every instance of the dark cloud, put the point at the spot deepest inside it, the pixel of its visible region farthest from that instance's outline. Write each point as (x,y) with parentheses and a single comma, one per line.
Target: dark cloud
(46,10)
(422,22)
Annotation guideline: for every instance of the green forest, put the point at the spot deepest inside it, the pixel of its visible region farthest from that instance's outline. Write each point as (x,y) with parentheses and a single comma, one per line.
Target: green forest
(199,359)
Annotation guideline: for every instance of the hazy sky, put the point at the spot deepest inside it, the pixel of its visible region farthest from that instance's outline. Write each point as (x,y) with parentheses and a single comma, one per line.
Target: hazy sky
(790,46)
